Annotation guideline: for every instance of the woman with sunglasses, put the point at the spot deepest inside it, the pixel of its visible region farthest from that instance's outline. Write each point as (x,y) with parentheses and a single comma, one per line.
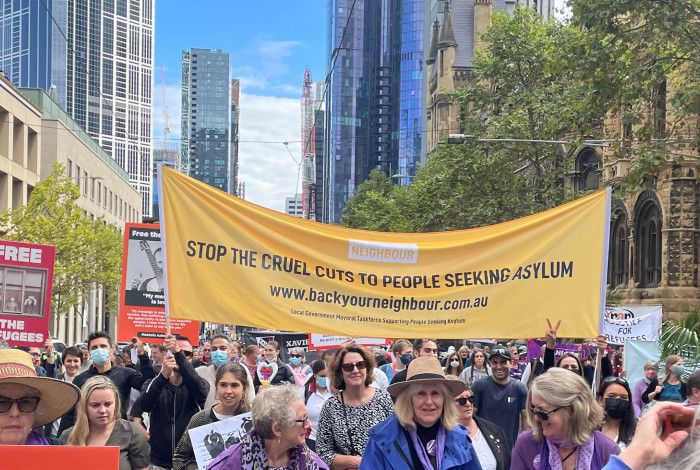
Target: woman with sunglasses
(671,388)
(487,438)
(454,365)
(301,371)
(620,421)
(346,419)
(564,418)
(277,440)
(28,401)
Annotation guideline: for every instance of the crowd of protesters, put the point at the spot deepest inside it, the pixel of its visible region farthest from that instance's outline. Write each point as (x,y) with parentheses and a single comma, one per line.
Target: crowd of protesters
(408,405)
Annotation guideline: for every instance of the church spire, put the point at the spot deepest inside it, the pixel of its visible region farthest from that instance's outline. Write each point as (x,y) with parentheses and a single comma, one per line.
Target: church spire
(434,43)
(447,35)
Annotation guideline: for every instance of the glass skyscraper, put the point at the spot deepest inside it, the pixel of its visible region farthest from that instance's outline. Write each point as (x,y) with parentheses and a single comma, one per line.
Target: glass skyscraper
(362,106)
(95,57)
(206,116)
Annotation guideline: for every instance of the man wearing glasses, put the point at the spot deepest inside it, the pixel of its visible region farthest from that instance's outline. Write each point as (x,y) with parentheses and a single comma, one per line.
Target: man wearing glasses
(499,398)
(172,398)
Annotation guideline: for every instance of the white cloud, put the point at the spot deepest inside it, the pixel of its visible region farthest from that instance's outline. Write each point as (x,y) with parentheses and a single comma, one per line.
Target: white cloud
(268,170)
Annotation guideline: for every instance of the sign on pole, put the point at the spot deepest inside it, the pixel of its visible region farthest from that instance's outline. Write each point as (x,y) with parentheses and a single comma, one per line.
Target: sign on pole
(26,279)
(142,304)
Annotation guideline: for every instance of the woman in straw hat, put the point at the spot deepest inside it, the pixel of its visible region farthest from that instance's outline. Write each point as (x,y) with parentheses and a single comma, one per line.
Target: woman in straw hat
(98,423)
(424,432)
(28,401)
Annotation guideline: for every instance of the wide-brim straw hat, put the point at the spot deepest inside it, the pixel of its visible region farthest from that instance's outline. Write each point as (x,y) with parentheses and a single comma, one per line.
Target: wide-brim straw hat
(425,370)
(57,396)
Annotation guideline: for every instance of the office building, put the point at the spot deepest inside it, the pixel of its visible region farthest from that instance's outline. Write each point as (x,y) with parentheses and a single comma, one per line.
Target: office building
(235,120)
(96,58)
(362,105)
(162,156)
(319,131)
(293,206)
(206,117)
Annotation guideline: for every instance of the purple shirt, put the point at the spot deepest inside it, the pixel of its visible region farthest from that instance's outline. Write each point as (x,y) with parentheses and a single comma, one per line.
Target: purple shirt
(527,450)
(637,402)
(36,439)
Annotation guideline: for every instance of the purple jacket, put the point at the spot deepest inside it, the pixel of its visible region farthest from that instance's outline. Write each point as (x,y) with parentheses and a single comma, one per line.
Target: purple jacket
(527,449)
(637,403)
(231,459)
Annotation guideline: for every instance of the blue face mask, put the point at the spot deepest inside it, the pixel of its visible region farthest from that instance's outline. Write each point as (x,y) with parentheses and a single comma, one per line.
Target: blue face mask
(679,370)
(406,358)
(258,357)
(322,382)
(99,356)
(219,358)
(295,361)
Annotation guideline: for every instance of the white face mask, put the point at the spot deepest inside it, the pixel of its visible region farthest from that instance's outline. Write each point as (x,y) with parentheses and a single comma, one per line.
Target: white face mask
(454,363)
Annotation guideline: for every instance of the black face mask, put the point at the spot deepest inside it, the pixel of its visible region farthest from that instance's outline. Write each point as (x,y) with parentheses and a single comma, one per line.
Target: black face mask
(616,408)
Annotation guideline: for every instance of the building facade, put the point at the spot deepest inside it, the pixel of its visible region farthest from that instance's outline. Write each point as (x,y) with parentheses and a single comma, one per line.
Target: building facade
(362,106)
(235,124)
(96,58)
(206,116)
(20,146)
(105,192)
(162,156)
(293,206)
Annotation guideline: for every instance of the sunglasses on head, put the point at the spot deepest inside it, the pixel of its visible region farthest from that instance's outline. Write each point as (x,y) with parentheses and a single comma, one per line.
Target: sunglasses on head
(462,401)
(542,415)
(617,380)
(350,366)
(24,404)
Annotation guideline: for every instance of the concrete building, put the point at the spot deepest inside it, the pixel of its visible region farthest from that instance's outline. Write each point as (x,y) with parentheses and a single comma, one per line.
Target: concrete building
(20,146)
(206,117)
(293,206)
(105,192)
(235,124)
(96,58)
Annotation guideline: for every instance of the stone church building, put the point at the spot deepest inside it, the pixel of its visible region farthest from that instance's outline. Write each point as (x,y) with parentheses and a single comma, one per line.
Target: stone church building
(654,234)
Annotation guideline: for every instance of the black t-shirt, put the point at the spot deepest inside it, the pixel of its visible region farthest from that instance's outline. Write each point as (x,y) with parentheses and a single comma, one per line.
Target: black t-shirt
(501,404)
(425,435)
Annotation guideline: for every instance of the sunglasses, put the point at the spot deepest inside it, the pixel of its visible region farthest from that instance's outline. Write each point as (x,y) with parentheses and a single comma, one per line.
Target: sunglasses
(187,353)
(295,355)
(617,380)
(24,404)
(349,366)
(542,415)
(462,401)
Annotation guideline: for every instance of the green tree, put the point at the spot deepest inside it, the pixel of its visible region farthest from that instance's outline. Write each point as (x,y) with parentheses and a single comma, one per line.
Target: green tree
(374,206)
(683,337)
(88,252)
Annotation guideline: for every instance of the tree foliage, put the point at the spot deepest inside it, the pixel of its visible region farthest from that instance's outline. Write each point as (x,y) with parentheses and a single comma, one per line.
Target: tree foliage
(683,337)
(88,252)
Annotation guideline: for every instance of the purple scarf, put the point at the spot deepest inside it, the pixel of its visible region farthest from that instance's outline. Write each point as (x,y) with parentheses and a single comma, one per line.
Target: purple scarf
(36,439)
(437,449)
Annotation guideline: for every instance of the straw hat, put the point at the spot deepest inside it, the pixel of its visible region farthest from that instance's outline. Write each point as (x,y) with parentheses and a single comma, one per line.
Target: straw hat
(424,370)
(57,396)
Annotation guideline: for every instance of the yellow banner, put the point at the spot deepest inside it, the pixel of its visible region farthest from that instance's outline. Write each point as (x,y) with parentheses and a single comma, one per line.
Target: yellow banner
(233,262)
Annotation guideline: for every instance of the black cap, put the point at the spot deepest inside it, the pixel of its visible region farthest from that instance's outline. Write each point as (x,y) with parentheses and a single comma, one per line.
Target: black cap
(500,352)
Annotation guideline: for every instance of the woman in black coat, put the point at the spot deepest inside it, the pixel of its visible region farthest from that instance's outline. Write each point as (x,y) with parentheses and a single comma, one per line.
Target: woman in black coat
(487,438)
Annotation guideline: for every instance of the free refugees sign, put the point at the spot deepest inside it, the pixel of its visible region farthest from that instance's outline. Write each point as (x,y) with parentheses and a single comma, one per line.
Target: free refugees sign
(26,280)
(233,262)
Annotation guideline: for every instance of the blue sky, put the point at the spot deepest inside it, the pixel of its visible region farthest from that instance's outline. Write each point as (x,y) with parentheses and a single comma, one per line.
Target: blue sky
(270,43)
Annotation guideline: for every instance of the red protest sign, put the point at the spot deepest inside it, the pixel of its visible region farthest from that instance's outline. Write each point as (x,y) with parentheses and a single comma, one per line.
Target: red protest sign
(58,457)
(26,279)
(142,301)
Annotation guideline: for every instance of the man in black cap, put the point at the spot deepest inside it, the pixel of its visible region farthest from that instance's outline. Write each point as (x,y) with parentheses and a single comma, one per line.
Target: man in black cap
(499,398)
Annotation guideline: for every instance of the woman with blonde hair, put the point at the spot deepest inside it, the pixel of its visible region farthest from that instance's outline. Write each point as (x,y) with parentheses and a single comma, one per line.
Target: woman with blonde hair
(564,417)
(98,424)
(424,431)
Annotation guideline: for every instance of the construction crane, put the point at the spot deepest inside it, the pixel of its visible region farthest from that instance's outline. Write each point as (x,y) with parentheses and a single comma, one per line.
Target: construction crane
(308,148)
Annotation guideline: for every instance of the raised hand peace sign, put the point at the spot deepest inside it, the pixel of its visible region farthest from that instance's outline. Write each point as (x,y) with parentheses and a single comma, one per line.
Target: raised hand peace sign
(550,334)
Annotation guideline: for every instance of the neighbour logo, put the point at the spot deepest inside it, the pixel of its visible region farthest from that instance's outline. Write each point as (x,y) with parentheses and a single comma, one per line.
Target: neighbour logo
(406,253)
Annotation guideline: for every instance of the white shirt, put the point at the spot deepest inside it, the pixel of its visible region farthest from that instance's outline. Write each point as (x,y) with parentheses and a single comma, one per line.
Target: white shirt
(381,381)
(313,408)
(483,452)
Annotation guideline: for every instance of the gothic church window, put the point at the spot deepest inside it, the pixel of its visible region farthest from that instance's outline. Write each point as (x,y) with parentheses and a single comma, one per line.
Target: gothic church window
(648,240)
(618,263)
(588,169)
